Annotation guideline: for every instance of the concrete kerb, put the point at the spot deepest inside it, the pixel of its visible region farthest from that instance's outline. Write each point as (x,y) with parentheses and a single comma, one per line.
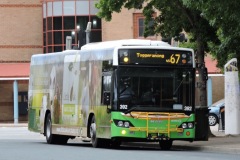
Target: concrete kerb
(13,124)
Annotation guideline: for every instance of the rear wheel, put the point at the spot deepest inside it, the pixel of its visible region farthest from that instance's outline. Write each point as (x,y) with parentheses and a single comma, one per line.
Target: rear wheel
(52,138)
(212,119)
(165,144)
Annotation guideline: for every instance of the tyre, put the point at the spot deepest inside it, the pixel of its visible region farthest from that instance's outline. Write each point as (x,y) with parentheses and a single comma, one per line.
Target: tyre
(96,142)
(212,119)
(165,144)
(52,138)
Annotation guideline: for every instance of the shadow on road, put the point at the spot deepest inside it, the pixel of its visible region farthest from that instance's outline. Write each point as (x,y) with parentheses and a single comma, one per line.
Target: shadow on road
(139,147)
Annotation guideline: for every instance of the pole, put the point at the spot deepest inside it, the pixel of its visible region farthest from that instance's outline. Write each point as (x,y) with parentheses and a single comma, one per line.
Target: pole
(15,99)
(88,31)
(209,91)
(232,98)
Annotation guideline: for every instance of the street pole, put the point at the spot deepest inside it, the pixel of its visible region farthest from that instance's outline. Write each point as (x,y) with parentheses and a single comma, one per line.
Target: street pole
(88,31)
(15,98)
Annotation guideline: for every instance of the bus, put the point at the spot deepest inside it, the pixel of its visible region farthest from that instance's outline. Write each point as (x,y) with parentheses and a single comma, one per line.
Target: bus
(116,91)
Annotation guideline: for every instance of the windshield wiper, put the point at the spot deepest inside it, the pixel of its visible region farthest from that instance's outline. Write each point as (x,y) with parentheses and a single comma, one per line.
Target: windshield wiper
(147,109)
(131,109)
(184,77)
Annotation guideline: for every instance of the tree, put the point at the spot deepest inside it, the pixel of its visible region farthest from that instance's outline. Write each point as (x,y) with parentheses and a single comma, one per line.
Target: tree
(176,16)
(223,15)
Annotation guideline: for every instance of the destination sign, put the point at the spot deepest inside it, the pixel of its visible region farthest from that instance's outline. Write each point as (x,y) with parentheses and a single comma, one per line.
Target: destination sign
(155,57)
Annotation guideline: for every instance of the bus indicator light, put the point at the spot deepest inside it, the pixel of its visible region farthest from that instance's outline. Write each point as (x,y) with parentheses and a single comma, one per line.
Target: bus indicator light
(187,133)
(125,59)
(184,61)
(123,132)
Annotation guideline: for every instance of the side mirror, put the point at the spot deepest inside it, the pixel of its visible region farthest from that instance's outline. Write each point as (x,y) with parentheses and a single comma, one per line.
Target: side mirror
(106,98)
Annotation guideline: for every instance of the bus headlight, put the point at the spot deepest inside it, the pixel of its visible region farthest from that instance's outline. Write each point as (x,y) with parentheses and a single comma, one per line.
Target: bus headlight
(120,123)
(187,125)
(190,125)
(126,124)
(184,125)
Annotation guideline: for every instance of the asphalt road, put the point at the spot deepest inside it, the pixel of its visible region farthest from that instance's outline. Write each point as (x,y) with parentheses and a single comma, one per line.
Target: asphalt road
(17,143)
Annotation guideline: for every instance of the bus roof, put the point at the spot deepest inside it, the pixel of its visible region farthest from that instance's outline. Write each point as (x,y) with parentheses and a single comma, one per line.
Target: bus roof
(124,42)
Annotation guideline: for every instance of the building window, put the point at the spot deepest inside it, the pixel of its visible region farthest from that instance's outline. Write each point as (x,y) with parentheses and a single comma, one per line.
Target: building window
(62,18)
(139,26)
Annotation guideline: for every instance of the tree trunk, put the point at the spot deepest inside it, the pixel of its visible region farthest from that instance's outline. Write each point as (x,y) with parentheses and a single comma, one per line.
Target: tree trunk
(202,78)
(202,81)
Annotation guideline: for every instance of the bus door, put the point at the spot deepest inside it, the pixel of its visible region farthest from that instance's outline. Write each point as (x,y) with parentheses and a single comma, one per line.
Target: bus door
(70,107)
(103,113)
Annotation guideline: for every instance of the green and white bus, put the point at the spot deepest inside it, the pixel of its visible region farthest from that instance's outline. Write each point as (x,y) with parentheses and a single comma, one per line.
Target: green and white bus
(114,92)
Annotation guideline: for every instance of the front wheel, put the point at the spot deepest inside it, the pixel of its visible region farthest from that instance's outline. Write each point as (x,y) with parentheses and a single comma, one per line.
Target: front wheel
(212,119)
(165,144)
(96,142)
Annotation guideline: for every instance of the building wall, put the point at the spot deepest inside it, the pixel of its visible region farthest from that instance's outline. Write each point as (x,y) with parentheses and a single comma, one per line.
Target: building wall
(120,27)
(217,88)
(20,30)
(21,37)
(6,100)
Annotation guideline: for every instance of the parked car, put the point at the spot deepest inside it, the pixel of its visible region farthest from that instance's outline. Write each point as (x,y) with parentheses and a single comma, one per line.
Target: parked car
(214,112)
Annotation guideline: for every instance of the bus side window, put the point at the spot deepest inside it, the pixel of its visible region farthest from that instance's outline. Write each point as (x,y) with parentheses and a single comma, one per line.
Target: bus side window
(106,88)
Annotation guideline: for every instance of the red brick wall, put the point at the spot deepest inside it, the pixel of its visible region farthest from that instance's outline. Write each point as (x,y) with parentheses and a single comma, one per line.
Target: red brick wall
(122,26)
(21,36)
(20,30)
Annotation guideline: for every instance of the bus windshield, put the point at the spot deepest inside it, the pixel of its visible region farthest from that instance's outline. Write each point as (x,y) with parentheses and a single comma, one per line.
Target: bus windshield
(155,89)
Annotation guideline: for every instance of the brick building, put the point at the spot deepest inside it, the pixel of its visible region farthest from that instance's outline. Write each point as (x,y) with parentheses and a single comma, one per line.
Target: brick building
(21,36)
(40,26)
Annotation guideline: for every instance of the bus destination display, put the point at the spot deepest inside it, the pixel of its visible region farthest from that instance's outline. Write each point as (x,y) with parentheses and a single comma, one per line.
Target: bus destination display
(161,57)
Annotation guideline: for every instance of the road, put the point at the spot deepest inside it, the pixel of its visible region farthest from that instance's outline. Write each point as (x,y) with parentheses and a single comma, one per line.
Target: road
(17,143)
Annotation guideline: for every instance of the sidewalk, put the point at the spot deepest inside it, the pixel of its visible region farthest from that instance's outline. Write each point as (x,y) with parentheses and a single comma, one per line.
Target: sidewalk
(221,143)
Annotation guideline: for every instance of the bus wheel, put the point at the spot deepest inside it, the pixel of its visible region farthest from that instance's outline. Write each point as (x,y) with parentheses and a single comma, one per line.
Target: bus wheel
(165,144)
(51,138)
(96,142)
